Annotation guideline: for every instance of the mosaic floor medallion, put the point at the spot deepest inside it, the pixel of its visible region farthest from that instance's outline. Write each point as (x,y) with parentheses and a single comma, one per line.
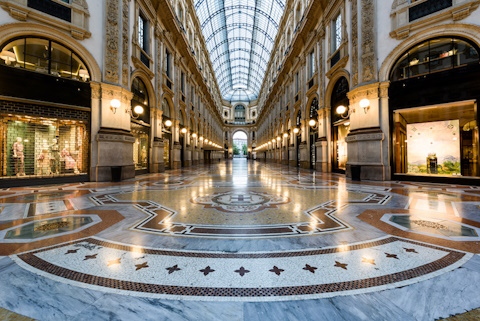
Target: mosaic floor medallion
(241,202)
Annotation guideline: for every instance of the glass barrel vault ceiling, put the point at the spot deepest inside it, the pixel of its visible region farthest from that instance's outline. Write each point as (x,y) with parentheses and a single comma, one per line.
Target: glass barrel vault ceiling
(239,35)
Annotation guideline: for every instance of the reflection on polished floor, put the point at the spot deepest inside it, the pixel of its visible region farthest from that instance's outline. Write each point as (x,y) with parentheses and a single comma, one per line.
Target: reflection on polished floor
(240,240)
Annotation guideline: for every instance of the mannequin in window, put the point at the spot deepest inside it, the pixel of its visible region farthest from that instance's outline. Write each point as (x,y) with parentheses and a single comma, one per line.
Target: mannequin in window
(144,156)
(18,156)
(43,160)
(70,162)
(54,157)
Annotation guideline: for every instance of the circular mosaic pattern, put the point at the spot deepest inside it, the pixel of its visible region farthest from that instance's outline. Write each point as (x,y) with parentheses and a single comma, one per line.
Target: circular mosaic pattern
(240,201)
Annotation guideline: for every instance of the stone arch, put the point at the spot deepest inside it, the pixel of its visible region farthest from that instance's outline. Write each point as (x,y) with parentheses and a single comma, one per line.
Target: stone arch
(148,84)
(331,84)
(16,30)
(466,31)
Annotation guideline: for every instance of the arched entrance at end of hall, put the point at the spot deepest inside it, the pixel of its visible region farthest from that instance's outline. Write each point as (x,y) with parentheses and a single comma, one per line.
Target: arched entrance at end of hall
(340,124)
(240,144)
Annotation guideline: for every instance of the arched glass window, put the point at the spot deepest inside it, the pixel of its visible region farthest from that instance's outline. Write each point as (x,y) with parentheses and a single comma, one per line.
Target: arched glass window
(239,114)
(44,56)
(181,121)
(433,56)
(140,97)
(165,108)
(299,118)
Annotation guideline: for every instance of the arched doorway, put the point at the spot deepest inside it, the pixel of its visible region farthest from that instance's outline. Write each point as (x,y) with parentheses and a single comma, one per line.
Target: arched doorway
(298,135)
(140,126)
(313,132)
(340,124)
(182,141)
(167,133)
(240,144)
(433,99)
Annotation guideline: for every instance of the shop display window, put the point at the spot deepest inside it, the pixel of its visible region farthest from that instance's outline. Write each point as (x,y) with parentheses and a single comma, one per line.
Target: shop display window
(42,147)
(341,130)
(140,147)
(433,56)
(436,140)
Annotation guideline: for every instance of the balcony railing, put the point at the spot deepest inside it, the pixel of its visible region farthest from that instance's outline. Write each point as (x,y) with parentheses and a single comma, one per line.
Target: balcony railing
(428,7)
(52,8)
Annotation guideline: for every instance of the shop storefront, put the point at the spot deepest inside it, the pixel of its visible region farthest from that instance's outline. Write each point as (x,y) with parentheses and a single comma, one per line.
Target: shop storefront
(313,133)
(140,126)
(42,147)
(44,113)
(340,124)
(434,115)
(167,134)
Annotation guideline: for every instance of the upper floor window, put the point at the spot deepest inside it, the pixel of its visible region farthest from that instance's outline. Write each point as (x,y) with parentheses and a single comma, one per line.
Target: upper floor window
(425,8)
(168,64)
(180,13)
(143,33)
(311,64)
(297,82)
(433,56)
(192,97)
(165,108)
(44,56)
(337,32)
(240,114)
(182,82)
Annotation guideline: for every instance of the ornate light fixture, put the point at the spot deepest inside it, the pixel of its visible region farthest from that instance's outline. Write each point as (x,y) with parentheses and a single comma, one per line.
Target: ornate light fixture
(194,135)
(137,110)
(114,105)
(365,104)
(168,123)
(342,110)
(285,135)
(296,130)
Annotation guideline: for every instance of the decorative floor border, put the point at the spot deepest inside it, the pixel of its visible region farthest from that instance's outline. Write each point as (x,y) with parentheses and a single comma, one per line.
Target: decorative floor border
(453,259)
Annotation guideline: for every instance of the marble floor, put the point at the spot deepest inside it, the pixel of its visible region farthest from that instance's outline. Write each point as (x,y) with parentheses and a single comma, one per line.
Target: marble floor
(240,240)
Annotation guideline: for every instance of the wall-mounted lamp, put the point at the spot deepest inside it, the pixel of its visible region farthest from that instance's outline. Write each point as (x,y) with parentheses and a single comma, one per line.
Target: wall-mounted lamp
(313,124)
(365,104)
(273,141)
(285,135)
(194,135)
(278,138)
(201,138)
(206,141)
(296,130)
(114,105)
(168,123)
(183,131)
(343,111)
(138,110)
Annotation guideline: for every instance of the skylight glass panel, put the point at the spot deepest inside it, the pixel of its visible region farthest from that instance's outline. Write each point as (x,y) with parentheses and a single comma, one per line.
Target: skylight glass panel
(240,36)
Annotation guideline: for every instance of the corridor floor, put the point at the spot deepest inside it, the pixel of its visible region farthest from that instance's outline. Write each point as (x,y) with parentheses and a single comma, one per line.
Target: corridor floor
(240,240)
